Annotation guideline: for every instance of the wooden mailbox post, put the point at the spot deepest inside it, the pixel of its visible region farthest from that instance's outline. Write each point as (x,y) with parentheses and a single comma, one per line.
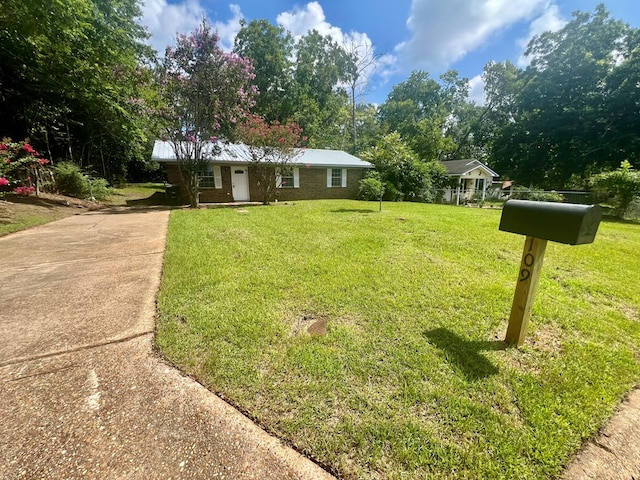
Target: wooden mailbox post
(540,222)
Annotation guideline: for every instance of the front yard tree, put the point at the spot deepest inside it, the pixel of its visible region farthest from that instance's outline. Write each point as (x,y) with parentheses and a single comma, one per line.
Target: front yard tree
(623,184)
(207,93)
(405,176)
(272,150)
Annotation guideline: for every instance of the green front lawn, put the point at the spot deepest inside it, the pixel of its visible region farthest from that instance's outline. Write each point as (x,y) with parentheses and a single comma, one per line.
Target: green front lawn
(411,379)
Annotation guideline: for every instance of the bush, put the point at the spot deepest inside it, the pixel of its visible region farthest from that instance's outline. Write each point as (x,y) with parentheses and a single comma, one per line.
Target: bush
(371,187)
(524,193)
(70,180)
(99,188)
(623,184)
(23,170)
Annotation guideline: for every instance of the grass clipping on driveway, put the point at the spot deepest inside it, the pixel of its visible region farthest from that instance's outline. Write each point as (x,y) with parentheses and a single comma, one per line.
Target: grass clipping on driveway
(372,342)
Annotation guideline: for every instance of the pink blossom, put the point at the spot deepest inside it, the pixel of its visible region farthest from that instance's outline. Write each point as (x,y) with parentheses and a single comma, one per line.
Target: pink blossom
(3,147)
(3,181)
(28,148)
(43,161)
(24,190)
(214,139)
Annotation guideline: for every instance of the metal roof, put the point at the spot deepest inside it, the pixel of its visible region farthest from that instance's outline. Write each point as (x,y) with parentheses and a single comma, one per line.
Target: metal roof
(461,167)
(239,153)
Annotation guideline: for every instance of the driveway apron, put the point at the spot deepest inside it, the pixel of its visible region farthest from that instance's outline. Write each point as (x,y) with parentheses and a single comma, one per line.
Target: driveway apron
(82,394)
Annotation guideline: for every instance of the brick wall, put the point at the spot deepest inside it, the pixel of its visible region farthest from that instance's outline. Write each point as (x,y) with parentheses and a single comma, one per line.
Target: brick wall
(313,186)
(219,195)
(207,195)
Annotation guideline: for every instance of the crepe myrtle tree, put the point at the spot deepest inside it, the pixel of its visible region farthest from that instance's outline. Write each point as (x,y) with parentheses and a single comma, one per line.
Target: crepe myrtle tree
(207,92)
(271,150)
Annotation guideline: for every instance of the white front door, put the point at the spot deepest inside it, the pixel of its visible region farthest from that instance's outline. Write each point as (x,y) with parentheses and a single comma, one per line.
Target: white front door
(240,184)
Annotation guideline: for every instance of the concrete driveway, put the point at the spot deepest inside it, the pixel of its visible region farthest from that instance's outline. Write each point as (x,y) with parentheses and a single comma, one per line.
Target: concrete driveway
(82,395)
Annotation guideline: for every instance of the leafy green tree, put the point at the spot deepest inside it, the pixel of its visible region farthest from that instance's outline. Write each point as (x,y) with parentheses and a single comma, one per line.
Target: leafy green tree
(207,92)
(372,188)
(623,184)
(404,175)
(69,80)
(270,50)
(367,125)
(572,110)
(473,130)
(320,70)
(424,111)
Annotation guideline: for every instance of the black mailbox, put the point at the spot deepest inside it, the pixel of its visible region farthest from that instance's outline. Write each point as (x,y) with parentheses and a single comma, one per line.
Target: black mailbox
(558,222)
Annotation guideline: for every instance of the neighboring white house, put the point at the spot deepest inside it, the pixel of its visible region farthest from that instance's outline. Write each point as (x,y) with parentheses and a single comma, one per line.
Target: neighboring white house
(469,180)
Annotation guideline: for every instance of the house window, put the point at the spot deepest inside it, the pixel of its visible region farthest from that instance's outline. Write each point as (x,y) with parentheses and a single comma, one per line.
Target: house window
(480,184)
(210,177)
(336,177)
(290,179)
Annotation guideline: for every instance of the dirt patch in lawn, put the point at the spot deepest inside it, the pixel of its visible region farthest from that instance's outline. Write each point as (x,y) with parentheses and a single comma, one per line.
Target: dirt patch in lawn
(310,324)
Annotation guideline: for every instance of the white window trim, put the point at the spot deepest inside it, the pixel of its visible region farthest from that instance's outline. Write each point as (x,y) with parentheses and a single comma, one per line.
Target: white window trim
(343,177)
(296,178)
(217,176)
(212,172)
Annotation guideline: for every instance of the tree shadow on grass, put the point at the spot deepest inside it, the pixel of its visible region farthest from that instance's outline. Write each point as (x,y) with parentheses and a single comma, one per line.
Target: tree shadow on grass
(353,210)
(465,354)
(157,198)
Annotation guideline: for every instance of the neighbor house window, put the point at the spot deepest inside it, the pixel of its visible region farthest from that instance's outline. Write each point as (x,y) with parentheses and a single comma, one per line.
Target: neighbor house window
(210,177)
(336,177)
(290,179)
(479,183)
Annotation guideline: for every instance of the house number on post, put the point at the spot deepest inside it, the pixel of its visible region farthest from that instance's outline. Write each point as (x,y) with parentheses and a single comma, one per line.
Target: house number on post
(540,222)
(528,260)
(530,266)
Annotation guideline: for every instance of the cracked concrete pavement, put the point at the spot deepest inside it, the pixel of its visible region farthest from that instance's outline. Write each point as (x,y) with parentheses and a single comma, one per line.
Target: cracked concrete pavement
(82,394)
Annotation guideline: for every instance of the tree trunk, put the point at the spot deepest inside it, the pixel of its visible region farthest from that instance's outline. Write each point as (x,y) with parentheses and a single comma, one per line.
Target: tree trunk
(194,197)
(353,118)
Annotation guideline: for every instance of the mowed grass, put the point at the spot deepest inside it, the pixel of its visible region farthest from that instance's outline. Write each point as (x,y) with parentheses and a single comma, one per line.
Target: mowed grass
(411,379)
(138,195)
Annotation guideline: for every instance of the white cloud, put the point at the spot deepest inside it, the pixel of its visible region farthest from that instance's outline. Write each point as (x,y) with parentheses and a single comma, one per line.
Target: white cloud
(229,29)
(446,31)
(476,90)
(550,20)
(164,20)
(299,21)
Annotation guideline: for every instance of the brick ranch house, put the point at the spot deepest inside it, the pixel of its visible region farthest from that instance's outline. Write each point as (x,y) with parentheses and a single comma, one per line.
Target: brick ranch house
(316,174)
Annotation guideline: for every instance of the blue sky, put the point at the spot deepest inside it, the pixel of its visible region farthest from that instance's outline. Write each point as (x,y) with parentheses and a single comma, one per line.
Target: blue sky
(406,35)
